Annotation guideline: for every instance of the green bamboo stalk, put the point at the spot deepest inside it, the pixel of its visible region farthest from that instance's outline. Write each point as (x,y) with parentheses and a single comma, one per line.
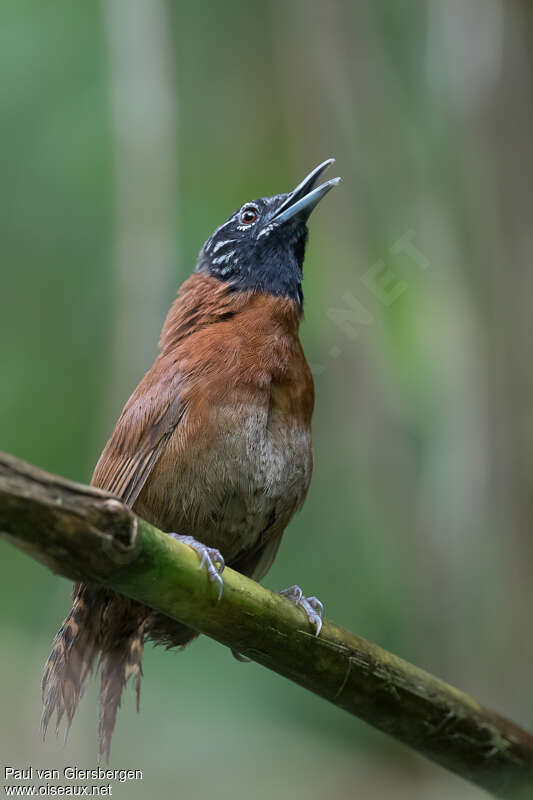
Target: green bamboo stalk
(85,534)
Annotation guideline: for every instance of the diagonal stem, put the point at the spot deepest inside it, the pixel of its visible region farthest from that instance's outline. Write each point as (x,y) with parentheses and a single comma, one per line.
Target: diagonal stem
(85,534)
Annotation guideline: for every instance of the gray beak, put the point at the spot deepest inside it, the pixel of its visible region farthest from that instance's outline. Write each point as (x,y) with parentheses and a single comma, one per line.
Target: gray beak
(305,197)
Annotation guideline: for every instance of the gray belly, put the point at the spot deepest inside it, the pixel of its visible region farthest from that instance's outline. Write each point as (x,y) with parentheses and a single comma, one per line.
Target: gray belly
(256,468)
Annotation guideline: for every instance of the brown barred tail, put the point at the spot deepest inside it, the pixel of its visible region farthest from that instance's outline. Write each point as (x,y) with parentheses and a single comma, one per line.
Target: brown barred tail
(69,664)
(118,665)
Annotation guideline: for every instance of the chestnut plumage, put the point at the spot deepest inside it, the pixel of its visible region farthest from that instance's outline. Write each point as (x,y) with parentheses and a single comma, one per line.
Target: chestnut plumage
(213,445)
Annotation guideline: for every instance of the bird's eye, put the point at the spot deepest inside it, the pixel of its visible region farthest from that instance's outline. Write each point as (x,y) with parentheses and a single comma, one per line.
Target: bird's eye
(248,215)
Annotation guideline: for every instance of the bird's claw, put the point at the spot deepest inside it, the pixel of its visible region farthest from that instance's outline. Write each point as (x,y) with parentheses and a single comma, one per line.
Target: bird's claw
(209,556)
(312,606)
(239,657)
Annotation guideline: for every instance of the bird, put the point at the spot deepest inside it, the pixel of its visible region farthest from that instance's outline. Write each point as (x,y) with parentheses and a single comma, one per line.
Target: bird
(213,447)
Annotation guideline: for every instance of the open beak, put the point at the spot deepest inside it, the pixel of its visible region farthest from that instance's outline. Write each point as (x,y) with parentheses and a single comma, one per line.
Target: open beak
(305,197)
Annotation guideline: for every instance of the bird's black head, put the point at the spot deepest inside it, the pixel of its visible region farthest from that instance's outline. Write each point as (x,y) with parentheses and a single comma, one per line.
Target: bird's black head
(261,247)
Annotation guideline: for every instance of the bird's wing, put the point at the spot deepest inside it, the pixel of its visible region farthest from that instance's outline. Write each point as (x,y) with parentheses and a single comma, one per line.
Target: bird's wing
(140,435)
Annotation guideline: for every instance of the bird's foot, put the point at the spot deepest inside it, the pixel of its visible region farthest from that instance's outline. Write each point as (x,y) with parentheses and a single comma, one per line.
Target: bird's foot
(210,556)
(311,605)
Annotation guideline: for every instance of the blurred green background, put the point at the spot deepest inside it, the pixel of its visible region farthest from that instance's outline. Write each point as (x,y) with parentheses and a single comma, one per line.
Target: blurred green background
(130,129)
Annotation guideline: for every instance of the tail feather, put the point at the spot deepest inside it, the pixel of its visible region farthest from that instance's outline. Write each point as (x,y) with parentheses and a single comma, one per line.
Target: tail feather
(99,623)
(118,665)
(69,664)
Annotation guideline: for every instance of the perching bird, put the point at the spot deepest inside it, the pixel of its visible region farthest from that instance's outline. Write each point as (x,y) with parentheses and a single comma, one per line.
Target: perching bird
(213,446)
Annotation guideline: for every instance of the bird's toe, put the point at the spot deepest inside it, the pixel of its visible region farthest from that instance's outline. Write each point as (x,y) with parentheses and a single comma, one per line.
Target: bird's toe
(312,606)
(210,558)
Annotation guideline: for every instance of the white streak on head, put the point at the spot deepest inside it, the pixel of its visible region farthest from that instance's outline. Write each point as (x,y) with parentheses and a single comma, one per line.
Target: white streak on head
(207,246)
(221,244)
(221,259)
(266,230)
